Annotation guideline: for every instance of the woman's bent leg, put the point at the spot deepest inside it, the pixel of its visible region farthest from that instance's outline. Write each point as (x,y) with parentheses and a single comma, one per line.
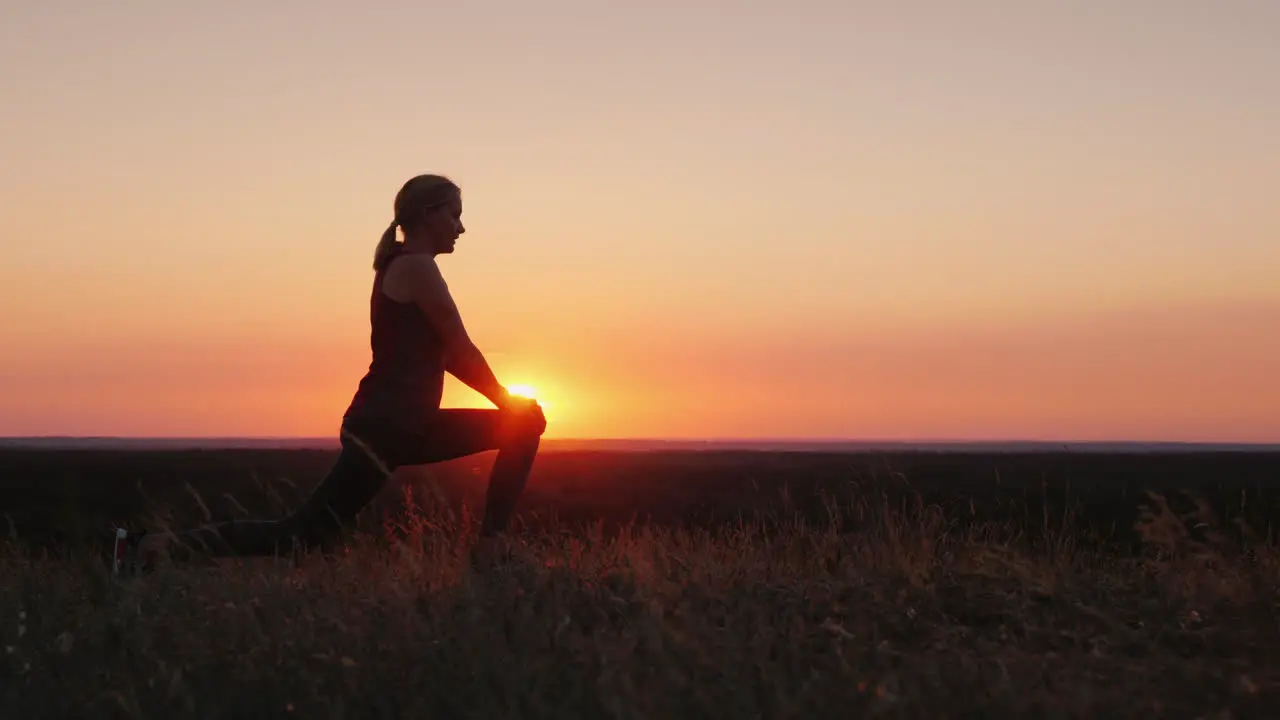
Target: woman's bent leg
(455,433)
(506,482)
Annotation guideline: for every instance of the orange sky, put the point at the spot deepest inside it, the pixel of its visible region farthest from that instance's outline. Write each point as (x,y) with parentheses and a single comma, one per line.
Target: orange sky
(799,220)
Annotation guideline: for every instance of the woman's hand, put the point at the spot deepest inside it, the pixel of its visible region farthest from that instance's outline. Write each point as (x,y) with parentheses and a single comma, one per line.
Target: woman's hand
(523,409)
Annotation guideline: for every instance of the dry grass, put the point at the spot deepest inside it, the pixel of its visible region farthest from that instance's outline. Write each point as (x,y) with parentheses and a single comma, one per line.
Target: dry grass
(892,612)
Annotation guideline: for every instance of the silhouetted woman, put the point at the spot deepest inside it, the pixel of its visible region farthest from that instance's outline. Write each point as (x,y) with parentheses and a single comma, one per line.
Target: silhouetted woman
(395,418)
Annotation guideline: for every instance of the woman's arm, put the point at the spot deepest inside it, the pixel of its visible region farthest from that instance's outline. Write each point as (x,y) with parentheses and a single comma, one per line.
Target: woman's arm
(462,358)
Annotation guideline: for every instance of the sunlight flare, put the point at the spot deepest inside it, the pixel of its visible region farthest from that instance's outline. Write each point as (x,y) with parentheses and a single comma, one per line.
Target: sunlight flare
(527,391)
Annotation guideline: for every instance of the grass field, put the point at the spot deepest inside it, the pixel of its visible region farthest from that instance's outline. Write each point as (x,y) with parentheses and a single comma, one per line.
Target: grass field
(820,588)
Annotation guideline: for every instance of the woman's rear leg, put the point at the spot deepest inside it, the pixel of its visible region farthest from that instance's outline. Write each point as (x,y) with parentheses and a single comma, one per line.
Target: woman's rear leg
(359,474)
(320,522)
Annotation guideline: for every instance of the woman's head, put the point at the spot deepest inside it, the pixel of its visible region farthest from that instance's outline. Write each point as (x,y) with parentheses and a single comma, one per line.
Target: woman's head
(428,209)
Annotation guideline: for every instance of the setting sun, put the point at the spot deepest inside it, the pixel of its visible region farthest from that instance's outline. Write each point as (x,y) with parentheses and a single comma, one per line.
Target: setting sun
(459,395)
(523,391)
(529,391)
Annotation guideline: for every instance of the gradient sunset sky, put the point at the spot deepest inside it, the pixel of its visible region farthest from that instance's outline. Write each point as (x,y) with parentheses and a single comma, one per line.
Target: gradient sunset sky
(913,220)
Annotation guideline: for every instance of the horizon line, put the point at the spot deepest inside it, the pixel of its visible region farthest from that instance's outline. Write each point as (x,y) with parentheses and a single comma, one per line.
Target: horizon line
(819,440)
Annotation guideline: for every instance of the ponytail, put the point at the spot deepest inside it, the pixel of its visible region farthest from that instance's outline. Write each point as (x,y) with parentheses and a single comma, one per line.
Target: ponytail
(386,246)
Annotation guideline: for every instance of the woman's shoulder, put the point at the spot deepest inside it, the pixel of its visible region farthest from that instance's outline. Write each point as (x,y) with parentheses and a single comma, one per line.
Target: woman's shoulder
(418,266)
(409,274)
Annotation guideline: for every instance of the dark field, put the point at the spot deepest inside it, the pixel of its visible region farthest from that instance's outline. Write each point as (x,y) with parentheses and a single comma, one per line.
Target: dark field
(56,497)
(671,584)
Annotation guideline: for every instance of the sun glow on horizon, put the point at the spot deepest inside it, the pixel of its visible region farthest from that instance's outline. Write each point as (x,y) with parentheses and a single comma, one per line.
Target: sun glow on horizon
(459,395)
(527,391)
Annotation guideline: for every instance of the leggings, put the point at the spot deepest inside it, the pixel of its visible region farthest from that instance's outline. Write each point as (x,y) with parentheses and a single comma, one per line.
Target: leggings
(370,452)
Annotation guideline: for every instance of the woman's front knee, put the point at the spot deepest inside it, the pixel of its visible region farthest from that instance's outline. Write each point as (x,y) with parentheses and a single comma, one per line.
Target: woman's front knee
(524,429)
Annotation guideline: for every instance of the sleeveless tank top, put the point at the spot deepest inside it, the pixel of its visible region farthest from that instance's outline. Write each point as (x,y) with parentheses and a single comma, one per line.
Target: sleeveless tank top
(405,378)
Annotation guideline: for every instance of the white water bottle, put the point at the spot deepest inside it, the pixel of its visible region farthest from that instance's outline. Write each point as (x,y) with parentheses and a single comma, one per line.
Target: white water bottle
(118,555)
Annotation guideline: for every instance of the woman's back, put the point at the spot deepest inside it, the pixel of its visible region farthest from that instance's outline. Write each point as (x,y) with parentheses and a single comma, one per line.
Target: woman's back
(405,379)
